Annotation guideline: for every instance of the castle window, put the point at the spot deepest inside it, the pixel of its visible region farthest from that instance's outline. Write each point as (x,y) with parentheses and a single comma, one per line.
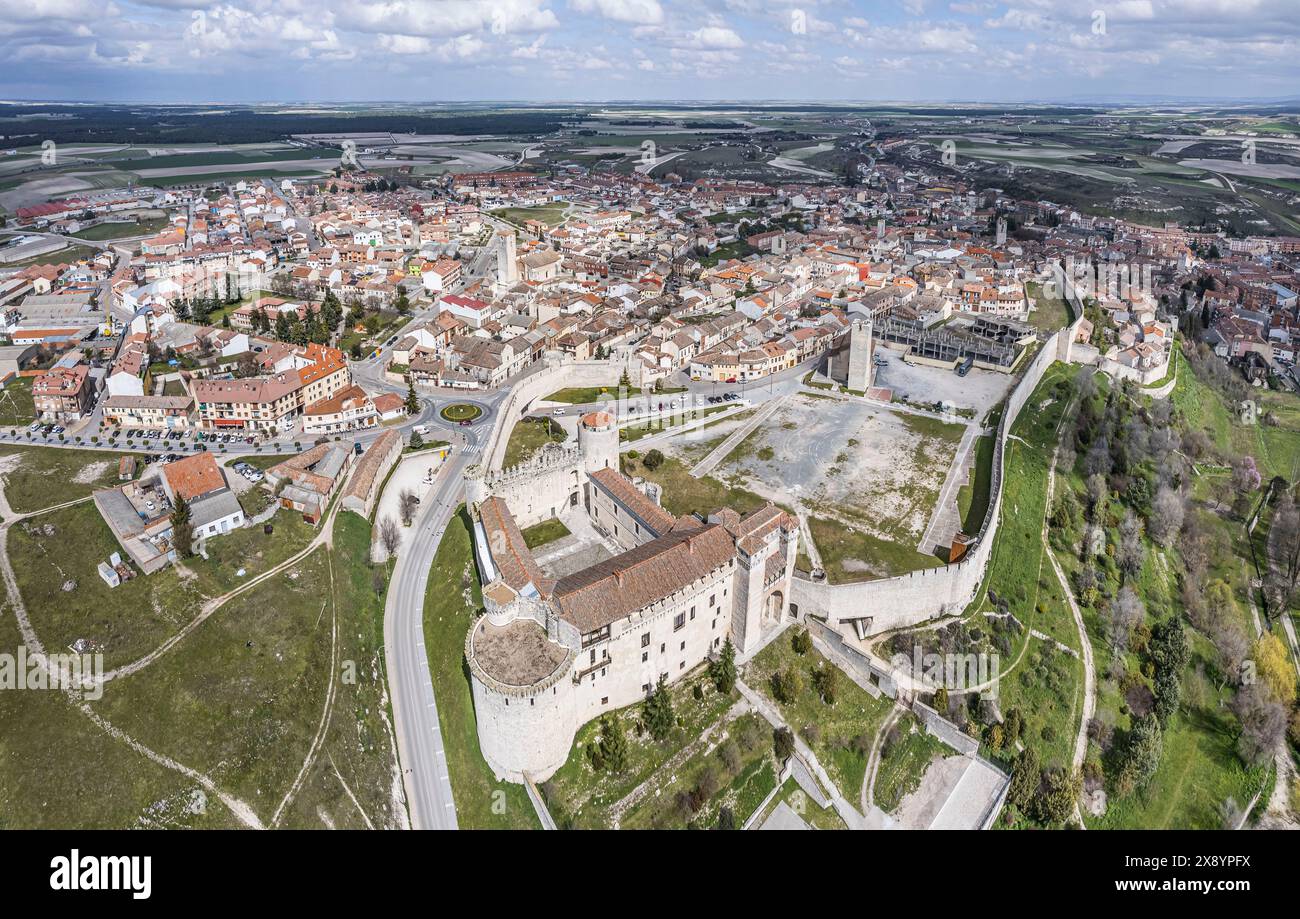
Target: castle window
(682,665)
(683,646)
(662,647)
(645,656)
(679,622)
(645,640)
(692,613)
(713,599)
(604,700)
(645,688)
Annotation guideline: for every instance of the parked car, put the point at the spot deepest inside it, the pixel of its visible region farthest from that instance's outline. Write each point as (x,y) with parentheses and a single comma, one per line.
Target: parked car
(558,412)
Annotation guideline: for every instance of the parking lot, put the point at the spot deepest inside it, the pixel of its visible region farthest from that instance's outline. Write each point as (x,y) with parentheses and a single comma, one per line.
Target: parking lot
(979,389)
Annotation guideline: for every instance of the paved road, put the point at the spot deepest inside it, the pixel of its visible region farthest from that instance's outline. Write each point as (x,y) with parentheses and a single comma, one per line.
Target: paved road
(415,711)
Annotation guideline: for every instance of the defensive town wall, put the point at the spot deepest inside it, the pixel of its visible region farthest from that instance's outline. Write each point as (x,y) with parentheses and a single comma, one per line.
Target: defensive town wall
(556,376)
(891,603)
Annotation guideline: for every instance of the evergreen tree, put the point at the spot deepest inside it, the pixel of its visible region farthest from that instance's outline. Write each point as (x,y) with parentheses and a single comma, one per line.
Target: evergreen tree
(182,528)
(412,400)
(723,670)
(782,744)
(613,744)
(416,440)
(282,330)
(1025,775)
(659,715)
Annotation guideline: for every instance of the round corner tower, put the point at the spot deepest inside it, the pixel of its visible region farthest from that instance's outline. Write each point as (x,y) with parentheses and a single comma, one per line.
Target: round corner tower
(598,438)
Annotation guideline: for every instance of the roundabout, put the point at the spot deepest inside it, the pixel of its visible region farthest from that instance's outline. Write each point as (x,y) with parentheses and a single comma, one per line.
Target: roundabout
(458,412)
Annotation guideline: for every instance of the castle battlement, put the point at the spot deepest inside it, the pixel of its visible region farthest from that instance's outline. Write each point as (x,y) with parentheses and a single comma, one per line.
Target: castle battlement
(549,458)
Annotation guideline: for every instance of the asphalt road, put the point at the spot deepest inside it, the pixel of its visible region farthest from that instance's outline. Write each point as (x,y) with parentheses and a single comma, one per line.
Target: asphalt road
(415,711)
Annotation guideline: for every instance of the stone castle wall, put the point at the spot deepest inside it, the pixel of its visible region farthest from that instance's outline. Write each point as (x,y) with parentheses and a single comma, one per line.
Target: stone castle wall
(905,600)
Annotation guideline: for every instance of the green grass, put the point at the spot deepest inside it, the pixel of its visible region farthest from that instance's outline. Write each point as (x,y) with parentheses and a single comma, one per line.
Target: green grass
(851,555)
(742,788)
(451,600)
(105,785)
(816,817)
(61,257)
(583,395)
(845,730)
(973,498)
(1276,448)
(16,405)
(528,436)
(685,494)
(242,697)
(63,547)
(1049,314)
(1018,569)
(551,214)
(636,431)
(1200,768)
(239,698)
(460,411)
(579,796)
(903,763)
(548,531)
(46,476)
(105,231)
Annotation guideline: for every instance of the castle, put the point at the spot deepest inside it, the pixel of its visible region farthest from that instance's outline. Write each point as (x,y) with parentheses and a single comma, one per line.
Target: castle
(552,653)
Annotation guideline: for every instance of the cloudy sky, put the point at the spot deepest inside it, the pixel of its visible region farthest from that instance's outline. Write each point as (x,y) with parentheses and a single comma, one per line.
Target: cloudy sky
(599,50)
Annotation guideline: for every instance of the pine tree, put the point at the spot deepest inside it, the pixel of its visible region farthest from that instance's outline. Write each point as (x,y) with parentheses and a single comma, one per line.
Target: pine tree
(723,670)
(412,400)
(613,744)
(659,715)
(182,528)
(282,329)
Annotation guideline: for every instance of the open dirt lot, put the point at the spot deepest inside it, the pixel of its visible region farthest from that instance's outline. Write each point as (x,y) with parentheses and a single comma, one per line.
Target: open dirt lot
(874,469)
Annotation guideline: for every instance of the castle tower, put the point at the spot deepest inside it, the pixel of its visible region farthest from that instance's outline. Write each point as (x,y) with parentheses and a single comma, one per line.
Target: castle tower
(476,490)
(507,265)
(598,439)
(1002,231)
(859,379)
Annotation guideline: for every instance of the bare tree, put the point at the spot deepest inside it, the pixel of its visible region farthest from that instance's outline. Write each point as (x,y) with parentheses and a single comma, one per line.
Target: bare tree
(1126,613)
(389,535)
(1132,552)
(1284,549)
(1263,724)
(407,502)
(1167,512)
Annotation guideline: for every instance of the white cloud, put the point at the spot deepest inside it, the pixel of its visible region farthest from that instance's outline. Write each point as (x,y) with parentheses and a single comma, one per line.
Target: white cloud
(716,37)
(643,12)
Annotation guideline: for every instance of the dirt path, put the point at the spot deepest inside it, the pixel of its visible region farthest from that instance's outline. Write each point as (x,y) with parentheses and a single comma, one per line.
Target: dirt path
(240,809)
(323,728)
(324,538)
(1085,644)
(873,758)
